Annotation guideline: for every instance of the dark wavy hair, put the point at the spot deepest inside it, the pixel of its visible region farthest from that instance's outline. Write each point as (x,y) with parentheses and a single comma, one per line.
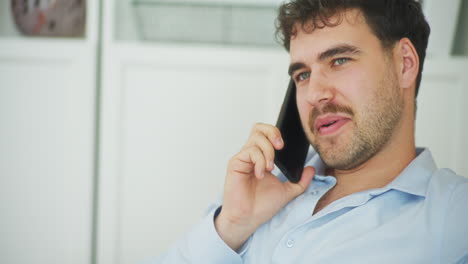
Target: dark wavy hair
(389,20)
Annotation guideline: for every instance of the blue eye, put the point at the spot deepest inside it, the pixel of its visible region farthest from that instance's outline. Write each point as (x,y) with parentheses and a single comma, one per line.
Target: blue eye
(302,76)
(340,61)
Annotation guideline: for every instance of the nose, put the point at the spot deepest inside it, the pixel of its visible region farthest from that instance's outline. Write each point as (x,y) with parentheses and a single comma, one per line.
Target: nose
(320,90)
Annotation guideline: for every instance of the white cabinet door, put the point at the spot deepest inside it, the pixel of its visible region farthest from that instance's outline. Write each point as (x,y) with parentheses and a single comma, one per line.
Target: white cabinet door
(172,118)
(47,117)
(46,150)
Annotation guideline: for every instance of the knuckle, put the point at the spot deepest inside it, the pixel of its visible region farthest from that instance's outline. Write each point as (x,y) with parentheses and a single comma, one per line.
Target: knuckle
(251,151)
(256,126)
(274,132)
(254,134)
(257,154)
(235,166)
(247,144)
(277,132)
(233,161)
(252,141)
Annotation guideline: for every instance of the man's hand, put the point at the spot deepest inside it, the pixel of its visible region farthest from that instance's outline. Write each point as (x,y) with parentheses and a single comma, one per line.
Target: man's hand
(252,195)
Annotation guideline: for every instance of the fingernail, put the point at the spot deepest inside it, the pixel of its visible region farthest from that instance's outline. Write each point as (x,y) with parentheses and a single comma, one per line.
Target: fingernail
(279,141)
(270,165)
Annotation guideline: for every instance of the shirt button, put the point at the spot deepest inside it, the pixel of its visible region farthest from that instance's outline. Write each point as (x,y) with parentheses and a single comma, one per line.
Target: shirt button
(314,192)
(290,243)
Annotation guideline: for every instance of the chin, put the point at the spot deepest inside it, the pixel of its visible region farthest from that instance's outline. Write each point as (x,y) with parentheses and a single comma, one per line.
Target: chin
(340,164)
(338,154)
(336,160)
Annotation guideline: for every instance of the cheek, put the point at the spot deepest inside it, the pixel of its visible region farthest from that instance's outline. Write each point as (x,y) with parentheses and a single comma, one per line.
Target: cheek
(354,85)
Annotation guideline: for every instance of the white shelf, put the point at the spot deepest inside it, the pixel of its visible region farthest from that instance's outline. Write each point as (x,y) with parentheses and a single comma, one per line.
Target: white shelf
(253,3)
(245,23)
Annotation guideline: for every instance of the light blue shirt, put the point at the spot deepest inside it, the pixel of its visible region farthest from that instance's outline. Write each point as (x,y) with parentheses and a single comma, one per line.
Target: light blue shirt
(420,217)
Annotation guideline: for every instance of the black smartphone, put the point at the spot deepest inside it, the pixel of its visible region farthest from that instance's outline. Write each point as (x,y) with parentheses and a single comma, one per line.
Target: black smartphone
(290,160)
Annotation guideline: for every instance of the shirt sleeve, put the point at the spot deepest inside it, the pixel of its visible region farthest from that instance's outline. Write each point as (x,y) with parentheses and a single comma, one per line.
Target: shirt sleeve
(455,236)
(202,245)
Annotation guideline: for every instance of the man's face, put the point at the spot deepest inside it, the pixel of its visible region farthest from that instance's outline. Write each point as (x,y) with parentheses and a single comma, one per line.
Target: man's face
(348,96)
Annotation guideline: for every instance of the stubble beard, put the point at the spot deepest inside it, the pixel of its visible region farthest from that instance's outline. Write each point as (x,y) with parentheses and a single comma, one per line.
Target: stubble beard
(372,128)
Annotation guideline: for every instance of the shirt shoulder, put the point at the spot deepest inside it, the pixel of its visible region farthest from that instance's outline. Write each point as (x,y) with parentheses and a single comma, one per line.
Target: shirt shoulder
(446,190)
(446,182)
(450,192)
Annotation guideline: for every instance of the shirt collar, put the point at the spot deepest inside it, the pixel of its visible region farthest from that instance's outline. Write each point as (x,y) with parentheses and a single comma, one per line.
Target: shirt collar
(414,179)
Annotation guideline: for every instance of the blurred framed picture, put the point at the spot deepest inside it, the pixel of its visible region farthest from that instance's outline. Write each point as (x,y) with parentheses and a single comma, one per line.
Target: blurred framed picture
(61,18)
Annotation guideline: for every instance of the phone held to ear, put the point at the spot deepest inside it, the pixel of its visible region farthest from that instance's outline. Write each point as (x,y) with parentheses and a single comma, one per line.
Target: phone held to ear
(290,160)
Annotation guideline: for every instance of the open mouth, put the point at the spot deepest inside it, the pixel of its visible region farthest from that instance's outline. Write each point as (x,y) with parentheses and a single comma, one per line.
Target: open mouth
(329,125)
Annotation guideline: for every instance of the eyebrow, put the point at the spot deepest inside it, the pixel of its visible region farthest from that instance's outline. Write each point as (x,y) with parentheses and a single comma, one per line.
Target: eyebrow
(294,67)
(331,52)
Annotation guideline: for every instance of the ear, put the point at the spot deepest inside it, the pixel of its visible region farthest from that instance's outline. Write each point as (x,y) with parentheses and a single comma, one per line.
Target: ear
(409,64)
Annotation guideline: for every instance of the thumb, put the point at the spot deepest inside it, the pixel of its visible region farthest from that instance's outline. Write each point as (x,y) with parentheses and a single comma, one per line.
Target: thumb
(295,189)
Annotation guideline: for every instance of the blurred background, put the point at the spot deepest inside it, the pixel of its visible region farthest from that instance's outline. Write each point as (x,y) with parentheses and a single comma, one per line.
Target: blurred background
(118,117)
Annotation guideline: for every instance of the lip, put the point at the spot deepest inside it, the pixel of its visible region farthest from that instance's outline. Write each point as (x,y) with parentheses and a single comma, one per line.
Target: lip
(339,120)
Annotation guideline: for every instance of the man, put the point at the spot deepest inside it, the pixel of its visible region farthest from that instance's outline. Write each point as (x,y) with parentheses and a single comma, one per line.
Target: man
(366,194)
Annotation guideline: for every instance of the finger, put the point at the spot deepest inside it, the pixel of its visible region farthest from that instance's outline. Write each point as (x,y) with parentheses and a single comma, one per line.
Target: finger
(268,151)
(240,166)
(259,161)
(271,132)
(295,189)
(254,156)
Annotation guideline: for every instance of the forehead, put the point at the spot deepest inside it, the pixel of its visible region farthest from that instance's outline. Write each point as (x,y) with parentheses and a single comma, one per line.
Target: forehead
(351,29)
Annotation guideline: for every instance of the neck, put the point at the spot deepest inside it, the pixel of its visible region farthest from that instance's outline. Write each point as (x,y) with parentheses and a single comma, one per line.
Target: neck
(382,168)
